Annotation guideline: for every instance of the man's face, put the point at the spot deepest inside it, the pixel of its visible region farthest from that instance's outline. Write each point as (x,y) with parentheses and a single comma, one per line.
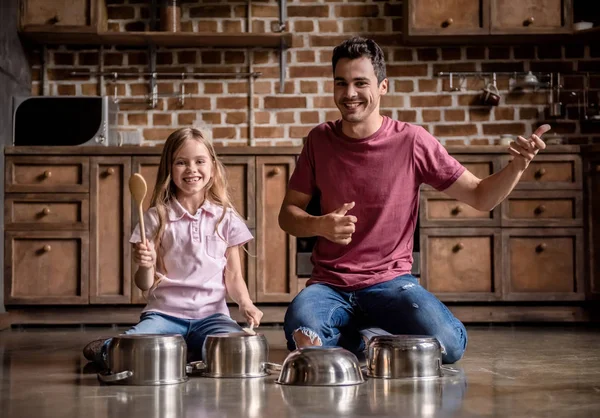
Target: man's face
(356,92)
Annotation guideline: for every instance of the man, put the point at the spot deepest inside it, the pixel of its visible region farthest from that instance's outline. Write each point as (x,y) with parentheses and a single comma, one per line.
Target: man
(366,170)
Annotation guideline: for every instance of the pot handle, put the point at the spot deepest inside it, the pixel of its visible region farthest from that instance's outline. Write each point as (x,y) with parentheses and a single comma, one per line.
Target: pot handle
(272,367)
(195,366)
(110,378)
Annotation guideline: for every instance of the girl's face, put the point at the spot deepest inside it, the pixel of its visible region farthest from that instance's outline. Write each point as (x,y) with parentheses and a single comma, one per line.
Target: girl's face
(192,168)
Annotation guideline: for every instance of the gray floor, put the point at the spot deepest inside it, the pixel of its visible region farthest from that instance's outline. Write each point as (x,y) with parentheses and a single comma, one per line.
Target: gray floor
(507,372)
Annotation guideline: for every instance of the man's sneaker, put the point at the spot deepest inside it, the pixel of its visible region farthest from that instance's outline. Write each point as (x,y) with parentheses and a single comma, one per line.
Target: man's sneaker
(92,351)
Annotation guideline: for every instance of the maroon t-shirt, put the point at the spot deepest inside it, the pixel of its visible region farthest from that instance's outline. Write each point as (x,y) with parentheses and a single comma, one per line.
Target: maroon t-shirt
(381,174)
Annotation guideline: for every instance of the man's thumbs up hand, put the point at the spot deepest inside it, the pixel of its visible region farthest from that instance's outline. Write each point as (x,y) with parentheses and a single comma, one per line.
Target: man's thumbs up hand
(338,227)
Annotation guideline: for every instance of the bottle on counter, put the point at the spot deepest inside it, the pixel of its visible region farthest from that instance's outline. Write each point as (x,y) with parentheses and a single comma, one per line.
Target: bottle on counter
(170,16)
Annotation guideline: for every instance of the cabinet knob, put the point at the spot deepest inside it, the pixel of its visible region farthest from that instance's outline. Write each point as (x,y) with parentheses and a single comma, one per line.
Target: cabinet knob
(46,211)
(110,171)
(540,172)
(276,171)
(540,248)
(529,21)
(458,247)
(47,174)
(456,210)
(47,248)
(540,209)
(447,22)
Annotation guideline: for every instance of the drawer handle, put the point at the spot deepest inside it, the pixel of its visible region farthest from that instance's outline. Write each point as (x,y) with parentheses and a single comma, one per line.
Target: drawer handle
(110,171)
(47,174)
(529,21)
(540,209)
(540,172)
(447,22)
(456,210)
(47,248)
(458,247)
(275,171)
(540,248)
(46,211)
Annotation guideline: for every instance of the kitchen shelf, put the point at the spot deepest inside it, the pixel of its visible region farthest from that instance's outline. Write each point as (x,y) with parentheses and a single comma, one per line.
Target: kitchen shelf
(168,39)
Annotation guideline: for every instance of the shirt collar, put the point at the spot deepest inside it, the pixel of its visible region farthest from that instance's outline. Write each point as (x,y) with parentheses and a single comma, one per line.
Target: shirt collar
(176,211)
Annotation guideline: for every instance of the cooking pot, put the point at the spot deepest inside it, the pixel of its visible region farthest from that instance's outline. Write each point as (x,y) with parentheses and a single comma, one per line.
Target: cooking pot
(405,356)
(320,366)
(146,359)
(235,354)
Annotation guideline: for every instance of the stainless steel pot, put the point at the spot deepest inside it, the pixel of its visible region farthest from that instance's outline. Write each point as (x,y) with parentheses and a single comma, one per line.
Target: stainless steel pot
(320,366)
(236,354)
(405,356)
(146,359)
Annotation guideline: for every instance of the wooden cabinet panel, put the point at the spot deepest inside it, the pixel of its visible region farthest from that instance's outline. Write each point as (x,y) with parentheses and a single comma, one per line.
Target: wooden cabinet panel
(46,267)
(437,209)
(63,15)
(46,211)
(461,264)
(148,168)
(547,172)
(593,222)
(543,209)
(276,279)
(241,173)
(47,174)
(544,265)
(110,252)
(530,16)
(447,17)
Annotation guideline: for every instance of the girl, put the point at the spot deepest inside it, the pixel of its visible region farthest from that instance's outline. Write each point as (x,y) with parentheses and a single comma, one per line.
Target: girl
(191,259)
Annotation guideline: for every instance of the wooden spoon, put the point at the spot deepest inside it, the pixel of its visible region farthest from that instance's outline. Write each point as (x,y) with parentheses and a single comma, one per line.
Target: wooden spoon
(138,188)
(250,330)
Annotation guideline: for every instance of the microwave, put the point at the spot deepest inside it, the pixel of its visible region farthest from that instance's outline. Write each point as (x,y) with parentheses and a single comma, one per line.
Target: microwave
(64,121)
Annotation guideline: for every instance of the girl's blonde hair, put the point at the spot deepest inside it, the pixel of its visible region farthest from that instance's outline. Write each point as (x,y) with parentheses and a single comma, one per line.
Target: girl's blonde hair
(216,189)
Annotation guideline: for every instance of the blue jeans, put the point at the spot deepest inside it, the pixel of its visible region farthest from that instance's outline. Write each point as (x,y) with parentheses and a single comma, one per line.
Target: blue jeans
(398,306)
(194,331)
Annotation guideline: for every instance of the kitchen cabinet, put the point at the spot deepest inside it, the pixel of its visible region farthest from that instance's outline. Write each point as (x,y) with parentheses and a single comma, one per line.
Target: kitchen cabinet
(434,21)
(63,16)
(592,218)
(69,216)
(529,248)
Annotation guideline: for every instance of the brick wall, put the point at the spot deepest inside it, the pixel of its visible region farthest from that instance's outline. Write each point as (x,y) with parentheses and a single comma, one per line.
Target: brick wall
(415,95)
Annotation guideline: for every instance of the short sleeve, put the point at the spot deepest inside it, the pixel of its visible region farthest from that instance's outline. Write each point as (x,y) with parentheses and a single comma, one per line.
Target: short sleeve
(303,177)
(433,164)
(150,227)
(237,231)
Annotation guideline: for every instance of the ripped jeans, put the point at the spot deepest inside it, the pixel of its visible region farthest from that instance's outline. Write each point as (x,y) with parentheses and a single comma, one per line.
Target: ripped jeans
(398,306)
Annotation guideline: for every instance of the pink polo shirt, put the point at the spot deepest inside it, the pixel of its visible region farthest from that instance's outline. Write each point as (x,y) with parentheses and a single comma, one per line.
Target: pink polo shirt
(192,287)
(381,174)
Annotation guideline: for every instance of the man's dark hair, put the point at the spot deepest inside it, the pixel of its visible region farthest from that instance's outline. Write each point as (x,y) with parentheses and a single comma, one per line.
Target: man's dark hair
(358,47)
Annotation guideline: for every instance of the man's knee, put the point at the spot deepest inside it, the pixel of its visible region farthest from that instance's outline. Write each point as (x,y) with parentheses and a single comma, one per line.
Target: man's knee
(454,350)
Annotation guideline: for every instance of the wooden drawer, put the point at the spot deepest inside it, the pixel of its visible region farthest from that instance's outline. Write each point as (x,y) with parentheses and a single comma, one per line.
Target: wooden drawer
(461,265)
(543,264)
(43,211)
(47,174)
(551,172)
(46,267)
(437,209)
(541,208)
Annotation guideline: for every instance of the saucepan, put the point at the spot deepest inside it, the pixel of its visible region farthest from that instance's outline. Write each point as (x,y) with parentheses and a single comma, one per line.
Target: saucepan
(236,354)
(406,357)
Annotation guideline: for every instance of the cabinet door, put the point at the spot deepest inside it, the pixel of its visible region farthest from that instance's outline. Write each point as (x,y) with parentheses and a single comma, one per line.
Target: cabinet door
(593,221)
(148,168)
(543,264)
(461,264)
(276,278)
(55,13)
(530,16)
(46,267)
(447,17)
(110,221)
